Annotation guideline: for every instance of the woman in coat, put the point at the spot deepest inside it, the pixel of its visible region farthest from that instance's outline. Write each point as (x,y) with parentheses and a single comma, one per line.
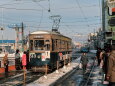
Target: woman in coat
(24,60)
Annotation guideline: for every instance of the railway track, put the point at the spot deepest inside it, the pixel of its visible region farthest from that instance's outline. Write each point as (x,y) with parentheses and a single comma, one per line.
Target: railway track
(77,78)
(88,75)
(18,80)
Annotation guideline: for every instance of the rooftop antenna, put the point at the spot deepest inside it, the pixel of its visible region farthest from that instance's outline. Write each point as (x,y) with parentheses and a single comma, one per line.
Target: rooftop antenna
(56,21)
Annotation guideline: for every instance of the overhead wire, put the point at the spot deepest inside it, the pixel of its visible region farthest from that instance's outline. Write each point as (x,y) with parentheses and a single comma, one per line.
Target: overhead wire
(21,9)
(82,12)
(85,18)
(13,3)
(49,10)
(41,19)
(46,9)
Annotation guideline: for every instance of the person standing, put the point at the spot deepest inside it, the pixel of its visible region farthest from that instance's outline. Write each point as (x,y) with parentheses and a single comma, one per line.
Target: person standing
(27,59)
(17,59)
(24,60)
(111,67)
(84,61)
(98,56)
(5,62)
(105,64)
(102,53)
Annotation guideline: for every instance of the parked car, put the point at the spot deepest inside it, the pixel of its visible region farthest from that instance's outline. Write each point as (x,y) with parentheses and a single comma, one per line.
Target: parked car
(84,50)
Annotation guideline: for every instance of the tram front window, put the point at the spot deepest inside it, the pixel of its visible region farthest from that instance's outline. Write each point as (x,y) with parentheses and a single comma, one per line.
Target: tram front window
(39,44)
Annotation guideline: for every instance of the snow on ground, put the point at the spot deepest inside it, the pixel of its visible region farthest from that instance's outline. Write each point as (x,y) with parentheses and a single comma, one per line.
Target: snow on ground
(56,75)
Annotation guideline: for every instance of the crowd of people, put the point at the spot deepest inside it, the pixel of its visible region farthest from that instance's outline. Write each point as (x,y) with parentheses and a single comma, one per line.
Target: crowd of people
(21,62)
(106,61)
(105,58)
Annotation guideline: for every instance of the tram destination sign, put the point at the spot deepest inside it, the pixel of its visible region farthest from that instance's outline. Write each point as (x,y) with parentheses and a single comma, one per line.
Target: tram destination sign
(38,36)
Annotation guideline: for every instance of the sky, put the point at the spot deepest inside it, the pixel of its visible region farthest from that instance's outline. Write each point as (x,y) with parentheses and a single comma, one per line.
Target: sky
(77,16)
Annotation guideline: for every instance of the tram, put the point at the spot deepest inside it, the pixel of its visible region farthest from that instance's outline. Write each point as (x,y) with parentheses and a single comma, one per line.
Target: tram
(48,47)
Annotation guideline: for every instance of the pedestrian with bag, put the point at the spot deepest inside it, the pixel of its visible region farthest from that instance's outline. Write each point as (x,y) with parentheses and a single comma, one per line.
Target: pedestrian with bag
(111,67)
(84,61)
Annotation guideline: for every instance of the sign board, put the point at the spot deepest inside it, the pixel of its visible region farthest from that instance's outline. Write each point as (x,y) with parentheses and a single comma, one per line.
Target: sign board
(43,58)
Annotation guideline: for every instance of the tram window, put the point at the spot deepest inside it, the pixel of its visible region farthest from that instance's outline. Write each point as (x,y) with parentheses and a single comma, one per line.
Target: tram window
(39,44)
(31,44)
(47,46)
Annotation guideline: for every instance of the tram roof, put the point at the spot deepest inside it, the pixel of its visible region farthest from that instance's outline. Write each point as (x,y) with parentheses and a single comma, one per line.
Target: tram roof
(45,32)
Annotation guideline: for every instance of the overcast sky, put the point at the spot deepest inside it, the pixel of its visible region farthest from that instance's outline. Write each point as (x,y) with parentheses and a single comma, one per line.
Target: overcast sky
(77,16)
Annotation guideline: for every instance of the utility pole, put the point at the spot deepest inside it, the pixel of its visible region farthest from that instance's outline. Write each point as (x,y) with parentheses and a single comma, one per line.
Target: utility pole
(103,21)
(22,36)
(17,27)
(17,37)
(103,15)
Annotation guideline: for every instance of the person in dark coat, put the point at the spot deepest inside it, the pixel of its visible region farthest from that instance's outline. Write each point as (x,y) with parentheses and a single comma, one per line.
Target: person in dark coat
(17,59)
(98,56)
(105,63)
(27,59)
(84,61)
(111,67)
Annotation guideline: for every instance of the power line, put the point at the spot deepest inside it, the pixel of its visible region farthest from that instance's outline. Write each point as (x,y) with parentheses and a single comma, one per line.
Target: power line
(82,11)
(12,3)
(22,9)
(73,7)
(41,19)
